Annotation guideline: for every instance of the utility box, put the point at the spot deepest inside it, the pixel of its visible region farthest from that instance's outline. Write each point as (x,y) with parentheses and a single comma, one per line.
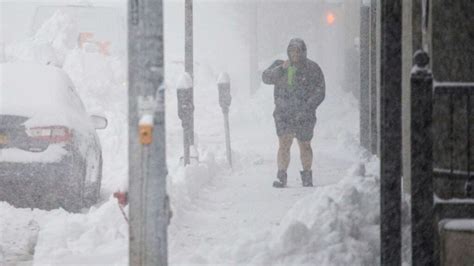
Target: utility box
(457,242)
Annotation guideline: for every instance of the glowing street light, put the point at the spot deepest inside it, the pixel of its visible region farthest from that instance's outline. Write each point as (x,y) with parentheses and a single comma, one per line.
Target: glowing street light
(330,18)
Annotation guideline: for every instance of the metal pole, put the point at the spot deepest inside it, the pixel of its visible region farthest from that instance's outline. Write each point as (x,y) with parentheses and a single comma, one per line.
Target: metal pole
(390,132)
(422,208)
(149,205)
(227,139)
(188,54)
(373,78)
(254,80)
(364,100)
(468,186)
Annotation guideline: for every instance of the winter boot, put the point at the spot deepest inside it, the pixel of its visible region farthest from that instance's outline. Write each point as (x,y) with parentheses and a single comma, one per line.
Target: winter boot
(307,178)
(281,176)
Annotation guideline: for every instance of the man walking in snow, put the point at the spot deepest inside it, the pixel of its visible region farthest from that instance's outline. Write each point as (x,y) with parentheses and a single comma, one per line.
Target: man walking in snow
(299,90)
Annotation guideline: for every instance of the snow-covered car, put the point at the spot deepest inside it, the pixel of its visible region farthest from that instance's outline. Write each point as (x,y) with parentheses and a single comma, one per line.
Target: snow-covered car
(50,154)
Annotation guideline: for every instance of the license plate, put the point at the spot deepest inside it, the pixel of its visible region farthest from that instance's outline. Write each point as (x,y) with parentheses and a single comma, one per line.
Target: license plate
(3,139)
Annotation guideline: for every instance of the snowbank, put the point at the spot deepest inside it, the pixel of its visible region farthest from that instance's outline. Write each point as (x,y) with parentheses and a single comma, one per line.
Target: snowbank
(335,225)
(57,237)
(186,183)
(97,237)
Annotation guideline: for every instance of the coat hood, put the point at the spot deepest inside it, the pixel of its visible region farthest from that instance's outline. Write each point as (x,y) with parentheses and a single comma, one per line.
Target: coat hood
(298,43)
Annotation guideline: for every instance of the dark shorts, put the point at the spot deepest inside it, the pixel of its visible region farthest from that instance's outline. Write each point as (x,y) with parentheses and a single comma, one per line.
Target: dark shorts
(302,128)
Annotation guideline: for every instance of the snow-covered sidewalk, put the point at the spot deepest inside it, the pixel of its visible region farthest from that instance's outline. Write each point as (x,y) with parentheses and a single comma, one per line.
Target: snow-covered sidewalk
(234,216)
(242,204)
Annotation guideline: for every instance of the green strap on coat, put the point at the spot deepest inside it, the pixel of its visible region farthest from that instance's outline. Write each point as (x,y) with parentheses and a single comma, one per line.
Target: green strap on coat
(291,75)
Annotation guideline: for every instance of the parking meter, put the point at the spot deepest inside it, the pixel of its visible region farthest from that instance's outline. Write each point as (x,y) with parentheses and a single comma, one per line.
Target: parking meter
(185,99)
(185,105)
(223,85)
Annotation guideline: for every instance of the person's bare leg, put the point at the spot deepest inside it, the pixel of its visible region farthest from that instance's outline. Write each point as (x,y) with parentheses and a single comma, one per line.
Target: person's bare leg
(283,160)
(283,157)
(306,154)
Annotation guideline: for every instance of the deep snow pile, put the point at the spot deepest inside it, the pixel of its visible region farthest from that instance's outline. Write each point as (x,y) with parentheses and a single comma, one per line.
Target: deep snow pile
(99,236)
(335,225)
(58,237)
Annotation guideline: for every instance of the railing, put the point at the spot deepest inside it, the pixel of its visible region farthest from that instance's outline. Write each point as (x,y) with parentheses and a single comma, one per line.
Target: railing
(441,163)
(452,147)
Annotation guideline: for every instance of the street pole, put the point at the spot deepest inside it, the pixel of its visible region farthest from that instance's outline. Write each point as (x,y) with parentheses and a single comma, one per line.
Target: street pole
(373,78)
(390,132)
(364,100)
(254,80)
(188,54)
(149,205)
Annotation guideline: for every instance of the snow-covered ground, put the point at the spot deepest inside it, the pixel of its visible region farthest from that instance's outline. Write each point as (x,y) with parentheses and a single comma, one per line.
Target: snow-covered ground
(221,215)
(238,217)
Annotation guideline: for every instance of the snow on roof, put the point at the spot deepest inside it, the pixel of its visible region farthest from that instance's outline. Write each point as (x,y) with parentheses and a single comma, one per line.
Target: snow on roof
(28,89)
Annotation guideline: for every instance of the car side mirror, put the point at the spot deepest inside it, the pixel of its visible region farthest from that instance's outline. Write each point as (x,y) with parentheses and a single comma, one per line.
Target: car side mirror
(99,122)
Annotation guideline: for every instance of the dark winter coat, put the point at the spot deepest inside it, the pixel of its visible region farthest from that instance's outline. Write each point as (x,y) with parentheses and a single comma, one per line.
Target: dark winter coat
(301,100)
